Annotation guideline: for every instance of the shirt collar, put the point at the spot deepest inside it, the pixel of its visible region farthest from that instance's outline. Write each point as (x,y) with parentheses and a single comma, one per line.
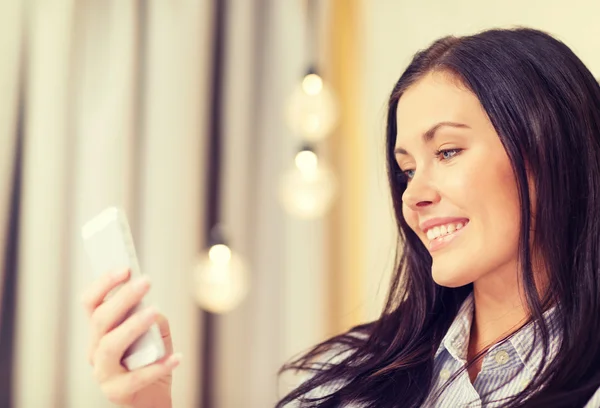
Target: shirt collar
(526,342)
(456,340)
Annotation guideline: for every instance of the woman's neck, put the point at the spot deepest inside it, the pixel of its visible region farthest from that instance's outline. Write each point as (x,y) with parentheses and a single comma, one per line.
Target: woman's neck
(500,305)
(499,310)
(495,317)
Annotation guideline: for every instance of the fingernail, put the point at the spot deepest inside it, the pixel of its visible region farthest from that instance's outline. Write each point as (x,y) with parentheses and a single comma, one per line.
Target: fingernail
(141,284)
(121,273)
(174,360)
(149,314)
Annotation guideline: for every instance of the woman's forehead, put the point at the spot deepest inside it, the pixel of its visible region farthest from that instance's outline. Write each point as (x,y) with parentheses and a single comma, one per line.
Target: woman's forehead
(433,99)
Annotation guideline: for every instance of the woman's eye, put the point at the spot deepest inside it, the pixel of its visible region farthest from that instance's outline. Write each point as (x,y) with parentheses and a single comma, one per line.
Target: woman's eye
(448,153)
(408,175)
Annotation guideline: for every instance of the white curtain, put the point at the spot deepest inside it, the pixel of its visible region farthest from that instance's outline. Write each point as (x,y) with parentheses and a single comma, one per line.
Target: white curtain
(284,313)
(91,141)
(116,104)
(42,263)
(11,38)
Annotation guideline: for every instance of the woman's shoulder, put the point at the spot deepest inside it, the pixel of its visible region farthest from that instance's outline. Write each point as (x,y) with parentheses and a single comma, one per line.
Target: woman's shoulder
(338,353)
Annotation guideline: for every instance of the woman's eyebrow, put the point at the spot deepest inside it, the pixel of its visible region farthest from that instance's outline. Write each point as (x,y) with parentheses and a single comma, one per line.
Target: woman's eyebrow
(430,134)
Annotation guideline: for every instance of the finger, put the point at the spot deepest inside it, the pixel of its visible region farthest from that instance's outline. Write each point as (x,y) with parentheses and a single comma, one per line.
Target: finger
(123,386)
(113,345)
(95,294)
(165,332)
(112,312)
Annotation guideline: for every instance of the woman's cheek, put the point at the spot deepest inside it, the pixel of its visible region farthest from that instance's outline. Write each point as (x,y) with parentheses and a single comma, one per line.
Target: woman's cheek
(410,217)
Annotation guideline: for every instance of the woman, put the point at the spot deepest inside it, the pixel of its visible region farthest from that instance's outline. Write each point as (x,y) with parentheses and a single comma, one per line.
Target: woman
(493,151)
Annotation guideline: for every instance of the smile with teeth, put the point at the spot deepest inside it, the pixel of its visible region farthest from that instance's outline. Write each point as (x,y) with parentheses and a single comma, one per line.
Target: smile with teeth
(444,230)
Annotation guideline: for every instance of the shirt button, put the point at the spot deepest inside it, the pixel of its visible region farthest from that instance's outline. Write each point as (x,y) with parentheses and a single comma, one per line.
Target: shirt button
(501,357)
(445,374)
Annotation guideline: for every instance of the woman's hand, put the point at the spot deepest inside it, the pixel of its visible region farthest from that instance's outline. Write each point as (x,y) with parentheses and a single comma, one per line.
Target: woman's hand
(148,386)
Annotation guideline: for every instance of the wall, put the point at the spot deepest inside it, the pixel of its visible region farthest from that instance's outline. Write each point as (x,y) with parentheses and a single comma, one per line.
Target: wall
(393,32)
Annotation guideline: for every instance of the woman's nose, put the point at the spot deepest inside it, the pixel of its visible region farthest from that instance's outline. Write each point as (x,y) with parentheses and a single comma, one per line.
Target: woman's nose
(419,193)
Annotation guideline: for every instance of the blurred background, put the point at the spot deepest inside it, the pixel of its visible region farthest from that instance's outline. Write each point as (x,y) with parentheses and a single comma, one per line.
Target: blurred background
(245,141)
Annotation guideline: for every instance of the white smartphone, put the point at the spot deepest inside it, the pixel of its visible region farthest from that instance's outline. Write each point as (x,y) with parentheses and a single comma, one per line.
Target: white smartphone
(109,246)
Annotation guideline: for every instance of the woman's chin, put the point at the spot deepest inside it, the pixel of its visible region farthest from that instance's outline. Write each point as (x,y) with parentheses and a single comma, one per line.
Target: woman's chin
(449,279)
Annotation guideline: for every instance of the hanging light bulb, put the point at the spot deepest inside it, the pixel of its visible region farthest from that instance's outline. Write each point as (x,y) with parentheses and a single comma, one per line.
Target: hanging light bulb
(220,279)
(312,109)
(309,188)
(312,84)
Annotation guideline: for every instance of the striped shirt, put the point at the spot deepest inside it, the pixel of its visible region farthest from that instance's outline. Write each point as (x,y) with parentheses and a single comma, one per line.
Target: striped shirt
(506,369)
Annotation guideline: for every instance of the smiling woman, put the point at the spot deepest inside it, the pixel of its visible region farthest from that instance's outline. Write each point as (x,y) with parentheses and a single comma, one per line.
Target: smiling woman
(493,151)
(446,189)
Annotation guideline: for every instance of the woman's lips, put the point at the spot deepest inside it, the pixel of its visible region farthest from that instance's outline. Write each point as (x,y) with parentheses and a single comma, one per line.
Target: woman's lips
(444,240)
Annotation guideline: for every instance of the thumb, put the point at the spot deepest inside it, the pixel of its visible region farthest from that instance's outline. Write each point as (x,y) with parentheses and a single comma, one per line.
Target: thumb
(165,332)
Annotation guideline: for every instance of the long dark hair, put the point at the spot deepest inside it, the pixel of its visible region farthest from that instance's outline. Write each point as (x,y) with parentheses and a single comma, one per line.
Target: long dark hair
(545,106)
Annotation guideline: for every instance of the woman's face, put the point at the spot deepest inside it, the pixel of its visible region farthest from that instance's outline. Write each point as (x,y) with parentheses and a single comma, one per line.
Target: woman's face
(462,202)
